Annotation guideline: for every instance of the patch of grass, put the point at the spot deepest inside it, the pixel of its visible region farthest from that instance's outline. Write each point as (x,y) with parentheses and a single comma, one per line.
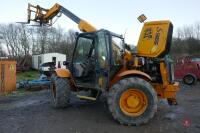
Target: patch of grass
(21,91)
(5,94)
(28,75)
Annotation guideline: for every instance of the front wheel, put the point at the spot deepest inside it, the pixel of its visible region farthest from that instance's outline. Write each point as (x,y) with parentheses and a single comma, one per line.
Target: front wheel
(60,91)
(132,101)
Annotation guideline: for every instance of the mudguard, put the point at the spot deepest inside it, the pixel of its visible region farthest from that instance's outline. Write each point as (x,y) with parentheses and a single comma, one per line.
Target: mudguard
(128,73)
(63,73)
(134,72)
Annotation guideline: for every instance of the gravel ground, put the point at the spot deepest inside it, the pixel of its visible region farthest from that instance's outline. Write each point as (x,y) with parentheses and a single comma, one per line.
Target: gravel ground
(32,112)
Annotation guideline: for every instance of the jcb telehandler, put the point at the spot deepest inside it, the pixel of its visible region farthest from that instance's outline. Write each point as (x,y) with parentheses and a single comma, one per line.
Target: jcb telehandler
(131,81)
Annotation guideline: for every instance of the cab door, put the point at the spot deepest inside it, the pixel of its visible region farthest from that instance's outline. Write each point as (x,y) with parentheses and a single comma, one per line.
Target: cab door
(102,59)
(83,62)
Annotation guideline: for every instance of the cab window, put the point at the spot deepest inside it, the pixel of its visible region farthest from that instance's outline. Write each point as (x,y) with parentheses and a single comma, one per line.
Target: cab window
(117,47)
(83,49)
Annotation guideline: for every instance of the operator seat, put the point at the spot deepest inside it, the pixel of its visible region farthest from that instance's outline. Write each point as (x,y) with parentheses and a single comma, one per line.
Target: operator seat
(83,69)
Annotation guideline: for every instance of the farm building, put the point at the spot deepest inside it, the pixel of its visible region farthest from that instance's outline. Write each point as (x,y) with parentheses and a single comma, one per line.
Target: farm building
(37,60)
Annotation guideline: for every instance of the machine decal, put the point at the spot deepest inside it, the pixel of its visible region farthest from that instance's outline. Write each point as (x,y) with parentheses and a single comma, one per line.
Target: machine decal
(157,37)
(11,68)
(148,33)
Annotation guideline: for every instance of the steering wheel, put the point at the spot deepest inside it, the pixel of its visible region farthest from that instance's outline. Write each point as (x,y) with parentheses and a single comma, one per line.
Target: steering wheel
(87,65)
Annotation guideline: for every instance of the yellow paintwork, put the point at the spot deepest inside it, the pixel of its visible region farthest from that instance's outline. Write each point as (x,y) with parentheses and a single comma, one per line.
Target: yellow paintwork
(134,72)
(46,16)
(52,12)
(133,102)
(86,27)
(163,72)
(124,72)
(165,90)
(86,97)
(153,38)
(136,62)
(147,47)
(127,55)
(168,91)
(63,73)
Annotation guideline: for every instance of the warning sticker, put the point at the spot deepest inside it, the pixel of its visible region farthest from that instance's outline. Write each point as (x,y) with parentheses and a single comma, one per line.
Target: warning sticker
(11,67)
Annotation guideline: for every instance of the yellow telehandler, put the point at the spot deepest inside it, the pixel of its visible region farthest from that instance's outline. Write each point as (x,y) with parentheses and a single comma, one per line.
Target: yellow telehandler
(131,81)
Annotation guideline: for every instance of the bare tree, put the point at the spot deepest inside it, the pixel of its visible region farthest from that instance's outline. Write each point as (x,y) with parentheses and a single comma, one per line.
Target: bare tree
(197,30)
(55,39)
(17,38)
(186,41)
(21,40)
(42,40)
(10,33)
(2,51)
(71,40)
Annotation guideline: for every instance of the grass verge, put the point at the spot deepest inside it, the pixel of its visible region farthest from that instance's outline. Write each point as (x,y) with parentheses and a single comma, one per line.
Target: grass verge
(28,75)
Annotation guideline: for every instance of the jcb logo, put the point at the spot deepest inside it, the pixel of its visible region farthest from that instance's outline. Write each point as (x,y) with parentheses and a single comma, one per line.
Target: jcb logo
(148,33)
(157,36)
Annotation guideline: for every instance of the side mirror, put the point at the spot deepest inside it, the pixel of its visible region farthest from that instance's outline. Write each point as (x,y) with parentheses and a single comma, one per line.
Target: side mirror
(66,63)
(76,34)
(127,46)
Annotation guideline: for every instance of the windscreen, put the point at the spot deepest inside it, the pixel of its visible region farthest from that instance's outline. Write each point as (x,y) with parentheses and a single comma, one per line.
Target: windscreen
(83,49)
(197,59)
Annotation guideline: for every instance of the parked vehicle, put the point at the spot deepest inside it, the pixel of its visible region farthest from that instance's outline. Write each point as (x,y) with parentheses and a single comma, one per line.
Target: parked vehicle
(57,58)
(131,82)
(188,69)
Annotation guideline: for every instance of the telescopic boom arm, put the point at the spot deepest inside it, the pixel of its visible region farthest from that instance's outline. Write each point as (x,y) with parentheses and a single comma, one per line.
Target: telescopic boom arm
(45,16)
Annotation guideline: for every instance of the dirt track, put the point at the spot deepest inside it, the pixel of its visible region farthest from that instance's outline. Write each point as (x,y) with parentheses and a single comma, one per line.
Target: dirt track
(32,113)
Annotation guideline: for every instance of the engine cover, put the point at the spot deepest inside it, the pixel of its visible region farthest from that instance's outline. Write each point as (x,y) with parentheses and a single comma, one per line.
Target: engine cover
(155,39)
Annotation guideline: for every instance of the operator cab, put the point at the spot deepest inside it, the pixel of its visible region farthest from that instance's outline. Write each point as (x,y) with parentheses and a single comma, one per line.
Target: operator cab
(96,58)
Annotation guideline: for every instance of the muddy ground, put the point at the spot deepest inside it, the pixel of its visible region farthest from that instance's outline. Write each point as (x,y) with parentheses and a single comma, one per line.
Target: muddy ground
(32,112)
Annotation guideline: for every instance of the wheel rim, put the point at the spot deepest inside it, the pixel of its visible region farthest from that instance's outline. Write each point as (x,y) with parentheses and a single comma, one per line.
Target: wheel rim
(133,102)
(189,79)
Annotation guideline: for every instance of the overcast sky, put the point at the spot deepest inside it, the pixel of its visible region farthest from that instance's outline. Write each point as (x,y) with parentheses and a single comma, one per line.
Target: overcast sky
(115,15)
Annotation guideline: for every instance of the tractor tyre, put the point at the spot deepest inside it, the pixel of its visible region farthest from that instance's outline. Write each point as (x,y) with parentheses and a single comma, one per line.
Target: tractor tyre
(60,91)
(189,79)
(132,101)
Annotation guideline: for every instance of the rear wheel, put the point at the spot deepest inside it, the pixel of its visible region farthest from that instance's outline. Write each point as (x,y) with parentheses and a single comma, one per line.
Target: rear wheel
(132,101)
(189,79)
(60,92)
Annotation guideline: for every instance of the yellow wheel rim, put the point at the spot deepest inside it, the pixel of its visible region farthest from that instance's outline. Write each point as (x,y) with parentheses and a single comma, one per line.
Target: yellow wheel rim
(133,102)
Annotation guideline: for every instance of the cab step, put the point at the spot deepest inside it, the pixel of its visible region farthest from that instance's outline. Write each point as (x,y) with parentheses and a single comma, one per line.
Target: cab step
(87,97)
